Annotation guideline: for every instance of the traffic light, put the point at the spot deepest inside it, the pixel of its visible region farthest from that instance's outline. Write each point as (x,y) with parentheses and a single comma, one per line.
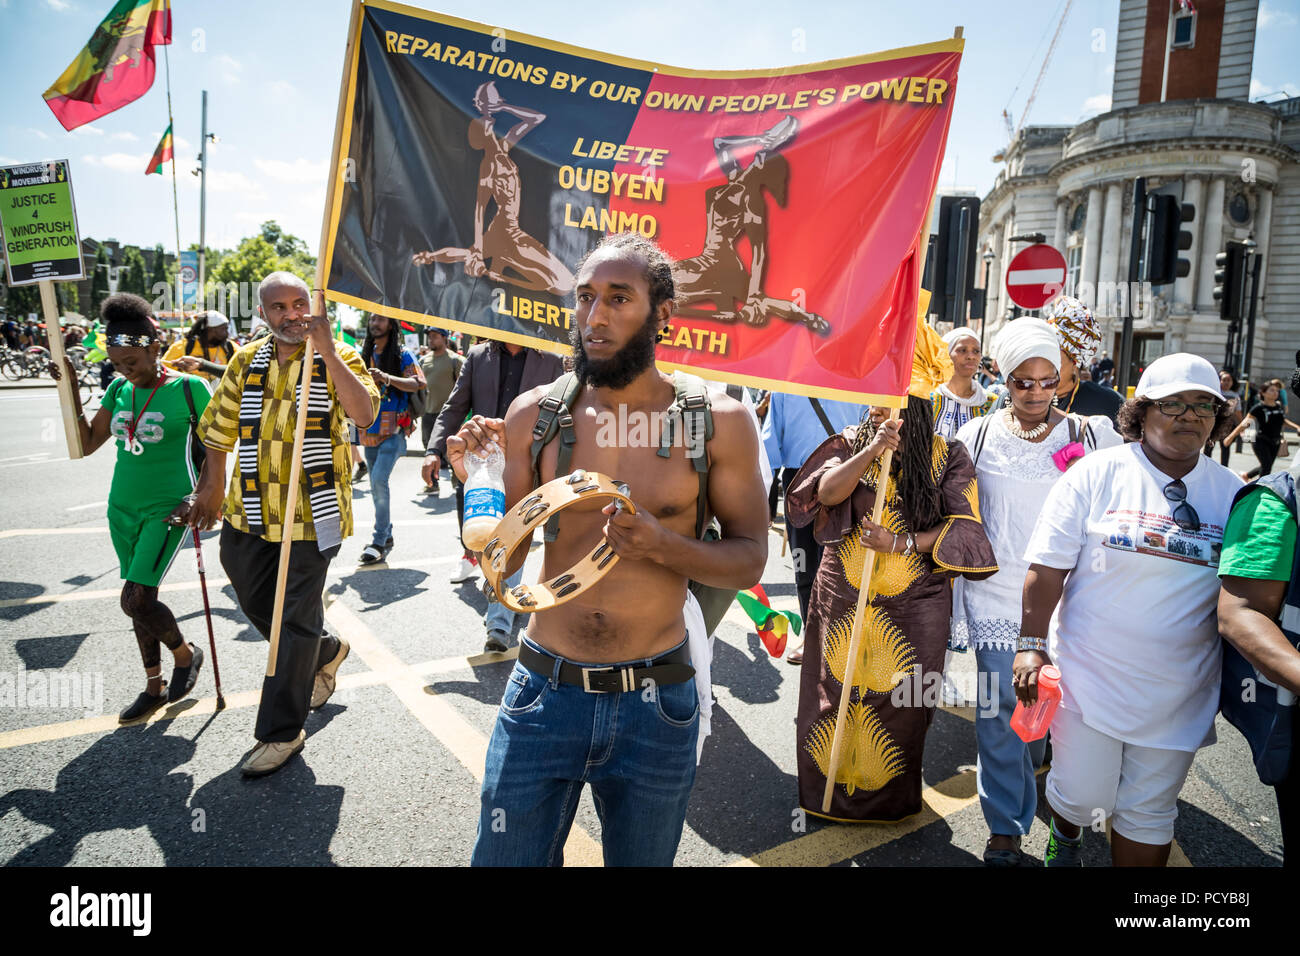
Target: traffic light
(950,263)
(1230,281)
(1165,238)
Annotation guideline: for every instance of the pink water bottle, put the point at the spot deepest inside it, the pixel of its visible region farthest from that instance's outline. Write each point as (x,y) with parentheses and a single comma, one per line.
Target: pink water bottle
(1031,723)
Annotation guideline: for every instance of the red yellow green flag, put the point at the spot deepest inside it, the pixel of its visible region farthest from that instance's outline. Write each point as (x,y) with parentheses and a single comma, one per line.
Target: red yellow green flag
(773,627)
(116,66)
(162,153)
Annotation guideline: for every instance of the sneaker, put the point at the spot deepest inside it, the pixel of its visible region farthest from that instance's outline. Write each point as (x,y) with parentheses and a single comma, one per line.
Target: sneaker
(270,757)
(361,472)
(468,568)
(497,642)
(1062,851)
(372,554)
(184,678)
(144,705)
(327,677)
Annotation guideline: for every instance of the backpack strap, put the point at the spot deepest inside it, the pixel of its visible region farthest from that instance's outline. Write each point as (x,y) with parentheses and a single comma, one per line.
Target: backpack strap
(691,407)
(980,435)
(554,416)
(197,454)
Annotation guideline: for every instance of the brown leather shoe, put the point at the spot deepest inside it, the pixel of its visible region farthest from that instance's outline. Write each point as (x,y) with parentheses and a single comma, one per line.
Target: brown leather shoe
(327,677)
(270,757)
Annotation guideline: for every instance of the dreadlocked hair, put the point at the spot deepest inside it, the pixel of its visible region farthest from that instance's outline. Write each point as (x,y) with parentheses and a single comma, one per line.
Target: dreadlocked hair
(912,470)
(390,360)
(658,265)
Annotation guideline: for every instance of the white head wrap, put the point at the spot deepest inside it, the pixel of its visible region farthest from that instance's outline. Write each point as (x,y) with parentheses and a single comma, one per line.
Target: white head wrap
(1023,339)
(956,335)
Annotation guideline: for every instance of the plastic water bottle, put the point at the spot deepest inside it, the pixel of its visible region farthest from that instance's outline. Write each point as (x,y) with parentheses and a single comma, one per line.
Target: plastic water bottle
(1031,723)
(485,496)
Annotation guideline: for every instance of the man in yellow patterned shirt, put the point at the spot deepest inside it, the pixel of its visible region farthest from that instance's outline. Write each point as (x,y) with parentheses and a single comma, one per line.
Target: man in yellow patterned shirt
(253,412)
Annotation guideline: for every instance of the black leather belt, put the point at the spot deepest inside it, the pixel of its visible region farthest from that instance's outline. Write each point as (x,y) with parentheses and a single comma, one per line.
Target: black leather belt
(674,667)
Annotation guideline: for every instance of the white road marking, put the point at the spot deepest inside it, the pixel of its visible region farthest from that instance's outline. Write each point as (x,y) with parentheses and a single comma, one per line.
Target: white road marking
(93,504)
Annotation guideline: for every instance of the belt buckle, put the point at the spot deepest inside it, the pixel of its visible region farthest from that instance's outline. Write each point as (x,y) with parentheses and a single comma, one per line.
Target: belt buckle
(625,673)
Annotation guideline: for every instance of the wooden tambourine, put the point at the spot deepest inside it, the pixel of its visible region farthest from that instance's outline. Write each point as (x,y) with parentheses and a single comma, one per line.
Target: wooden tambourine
(518,524)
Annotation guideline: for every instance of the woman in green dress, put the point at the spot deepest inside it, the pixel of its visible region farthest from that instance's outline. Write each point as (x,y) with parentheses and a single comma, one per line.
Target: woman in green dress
(150,414)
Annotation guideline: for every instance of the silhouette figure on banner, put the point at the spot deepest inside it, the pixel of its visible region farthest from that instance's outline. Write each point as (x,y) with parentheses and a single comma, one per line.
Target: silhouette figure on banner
(735,211)
(502,251)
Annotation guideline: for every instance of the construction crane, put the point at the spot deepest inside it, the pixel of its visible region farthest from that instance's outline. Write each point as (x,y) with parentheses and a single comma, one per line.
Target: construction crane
(1012,132)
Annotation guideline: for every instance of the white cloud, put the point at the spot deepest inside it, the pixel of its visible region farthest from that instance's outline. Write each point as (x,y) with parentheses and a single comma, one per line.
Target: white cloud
(59,6)
(33,132)
(299,171)
(87,131)
(230,69)
(120,162)
(282,90)
(1258,89)
(1269,17)
(181,143)
(128,137)
(1099,103)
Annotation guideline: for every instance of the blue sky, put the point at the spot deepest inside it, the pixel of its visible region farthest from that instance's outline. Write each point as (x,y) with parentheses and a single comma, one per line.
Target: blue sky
(272,70)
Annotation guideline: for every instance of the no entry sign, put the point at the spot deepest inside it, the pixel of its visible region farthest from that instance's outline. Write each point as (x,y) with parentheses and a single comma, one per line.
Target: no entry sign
(1035,276)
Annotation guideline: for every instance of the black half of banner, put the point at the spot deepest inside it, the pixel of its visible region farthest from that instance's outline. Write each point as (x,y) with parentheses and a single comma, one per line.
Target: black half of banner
(472,127)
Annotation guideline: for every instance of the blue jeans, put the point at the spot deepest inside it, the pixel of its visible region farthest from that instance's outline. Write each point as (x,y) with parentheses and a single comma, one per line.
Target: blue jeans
(636,749)
(380,460)
(498,616)
(1005,779)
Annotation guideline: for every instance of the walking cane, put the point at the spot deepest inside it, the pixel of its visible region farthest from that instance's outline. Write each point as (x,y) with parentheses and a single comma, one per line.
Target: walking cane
(207,612)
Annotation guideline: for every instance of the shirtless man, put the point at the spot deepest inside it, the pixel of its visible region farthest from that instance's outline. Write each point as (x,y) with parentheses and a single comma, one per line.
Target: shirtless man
(636,748)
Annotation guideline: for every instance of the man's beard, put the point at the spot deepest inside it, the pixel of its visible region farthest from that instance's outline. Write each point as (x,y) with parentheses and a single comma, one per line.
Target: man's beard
(621,368)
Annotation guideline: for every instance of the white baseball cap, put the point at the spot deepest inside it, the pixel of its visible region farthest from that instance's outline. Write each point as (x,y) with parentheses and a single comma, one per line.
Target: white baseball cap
(1179,372)
(216,319)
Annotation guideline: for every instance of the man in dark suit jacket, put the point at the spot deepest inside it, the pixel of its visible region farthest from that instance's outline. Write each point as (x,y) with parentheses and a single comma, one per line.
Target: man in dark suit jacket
(494,374)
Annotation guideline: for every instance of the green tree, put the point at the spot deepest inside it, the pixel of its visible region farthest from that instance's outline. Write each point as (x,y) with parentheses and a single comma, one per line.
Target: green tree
(159,271)
(67,296)
(99,283)
(20,300)
(287,246)
(132,273)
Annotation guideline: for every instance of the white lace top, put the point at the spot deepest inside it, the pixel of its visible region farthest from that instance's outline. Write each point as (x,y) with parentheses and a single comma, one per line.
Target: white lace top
(1014,477)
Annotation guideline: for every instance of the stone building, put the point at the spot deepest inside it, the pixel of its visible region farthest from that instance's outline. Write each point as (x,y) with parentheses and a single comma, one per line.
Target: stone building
(1236,162)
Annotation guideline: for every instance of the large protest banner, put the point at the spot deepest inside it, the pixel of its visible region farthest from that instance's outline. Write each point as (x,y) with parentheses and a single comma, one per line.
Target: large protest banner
(477,166)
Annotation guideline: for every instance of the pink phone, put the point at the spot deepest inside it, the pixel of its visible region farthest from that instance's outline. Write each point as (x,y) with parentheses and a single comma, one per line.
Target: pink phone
(1068,454)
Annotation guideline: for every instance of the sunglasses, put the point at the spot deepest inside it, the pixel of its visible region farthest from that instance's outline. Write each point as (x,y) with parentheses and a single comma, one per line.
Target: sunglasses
(1025,384)
(1202,409)
(1184,515)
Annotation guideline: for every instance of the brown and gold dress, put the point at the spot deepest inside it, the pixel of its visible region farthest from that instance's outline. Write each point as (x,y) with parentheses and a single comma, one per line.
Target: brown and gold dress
(905,634)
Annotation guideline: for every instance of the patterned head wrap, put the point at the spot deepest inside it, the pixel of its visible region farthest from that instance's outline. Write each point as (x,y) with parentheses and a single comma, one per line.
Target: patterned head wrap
(1075,327)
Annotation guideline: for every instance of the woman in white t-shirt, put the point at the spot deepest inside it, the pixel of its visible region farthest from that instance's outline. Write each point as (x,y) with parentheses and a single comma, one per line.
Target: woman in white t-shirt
(1128,544)
(1019,453)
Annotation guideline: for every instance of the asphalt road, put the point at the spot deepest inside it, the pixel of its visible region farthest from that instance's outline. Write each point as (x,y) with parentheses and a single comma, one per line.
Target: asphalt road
(391,768)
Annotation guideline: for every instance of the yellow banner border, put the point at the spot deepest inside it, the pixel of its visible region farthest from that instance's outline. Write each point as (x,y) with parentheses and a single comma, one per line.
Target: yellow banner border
(951,45)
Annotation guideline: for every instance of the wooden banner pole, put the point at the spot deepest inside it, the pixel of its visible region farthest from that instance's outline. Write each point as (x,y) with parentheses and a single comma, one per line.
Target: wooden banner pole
(318,308)
(67,401)
(866,591)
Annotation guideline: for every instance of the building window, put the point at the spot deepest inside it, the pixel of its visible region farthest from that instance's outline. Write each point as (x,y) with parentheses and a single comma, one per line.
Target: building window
(1080,216)
(1073,263)
(1239,209)
(1184,30)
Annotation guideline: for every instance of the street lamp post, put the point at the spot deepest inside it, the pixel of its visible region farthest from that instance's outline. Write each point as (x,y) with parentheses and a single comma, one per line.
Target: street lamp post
(984,321)
(202,173)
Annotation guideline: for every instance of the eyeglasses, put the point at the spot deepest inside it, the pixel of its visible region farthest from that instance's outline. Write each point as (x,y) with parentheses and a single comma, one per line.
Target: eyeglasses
(1185,515)
(1025,384)
(1202,409)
